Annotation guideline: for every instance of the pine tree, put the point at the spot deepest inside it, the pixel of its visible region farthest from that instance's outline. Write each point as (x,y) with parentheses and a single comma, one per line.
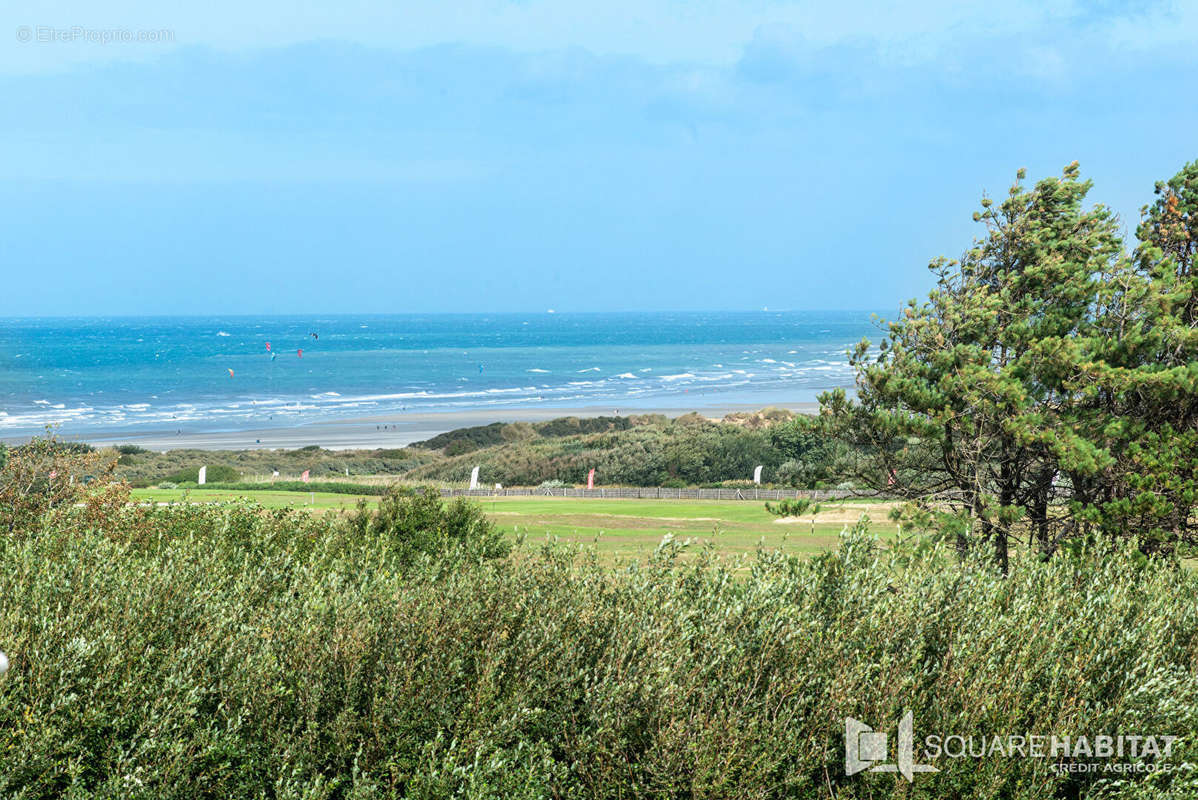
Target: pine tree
(1046,388)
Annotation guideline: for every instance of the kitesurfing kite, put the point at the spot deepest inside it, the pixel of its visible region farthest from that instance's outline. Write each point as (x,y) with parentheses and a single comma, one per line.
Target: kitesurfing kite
(314,336)
(268,347)
(300,353)
(230,372)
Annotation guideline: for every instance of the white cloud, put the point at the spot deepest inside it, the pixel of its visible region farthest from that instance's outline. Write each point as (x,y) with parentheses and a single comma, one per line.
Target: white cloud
(657,31)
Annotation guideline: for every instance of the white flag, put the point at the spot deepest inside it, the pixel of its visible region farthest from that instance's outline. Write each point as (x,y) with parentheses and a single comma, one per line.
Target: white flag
(203,476)
(474,478)
(757,475)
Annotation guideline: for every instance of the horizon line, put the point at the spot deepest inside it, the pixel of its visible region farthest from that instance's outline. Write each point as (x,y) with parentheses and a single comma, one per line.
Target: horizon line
(543,312)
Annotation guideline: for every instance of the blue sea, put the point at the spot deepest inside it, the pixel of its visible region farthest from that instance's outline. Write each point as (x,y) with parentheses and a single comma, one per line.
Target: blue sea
(142,374)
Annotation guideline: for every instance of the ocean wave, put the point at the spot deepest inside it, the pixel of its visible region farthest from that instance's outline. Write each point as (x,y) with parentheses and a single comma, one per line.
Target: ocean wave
(413,389)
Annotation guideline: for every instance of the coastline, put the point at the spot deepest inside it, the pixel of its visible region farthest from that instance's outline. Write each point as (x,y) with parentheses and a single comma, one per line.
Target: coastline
(368,433)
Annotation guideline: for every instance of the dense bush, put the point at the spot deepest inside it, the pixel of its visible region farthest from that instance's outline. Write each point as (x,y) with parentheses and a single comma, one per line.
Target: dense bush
(217,473)
(643,450)
(42,476)
(685,452)
(463,440)
(228,651)
(811,457)
(572,426)
(422,523)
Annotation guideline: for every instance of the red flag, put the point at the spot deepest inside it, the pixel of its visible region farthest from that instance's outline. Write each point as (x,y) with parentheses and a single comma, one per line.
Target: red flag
(304,477)
(268,347)
(300,353)
(591,479)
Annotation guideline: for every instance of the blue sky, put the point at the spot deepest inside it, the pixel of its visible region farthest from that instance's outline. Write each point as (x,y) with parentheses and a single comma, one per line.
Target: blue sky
(494,156)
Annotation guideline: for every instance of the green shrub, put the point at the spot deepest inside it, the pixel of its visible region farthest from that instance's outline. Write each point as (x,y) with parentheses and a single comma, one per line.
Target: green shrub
(460,446)
(693,452)
(216,473)
(420,522)
(478,436)
(230,651)
(641,450)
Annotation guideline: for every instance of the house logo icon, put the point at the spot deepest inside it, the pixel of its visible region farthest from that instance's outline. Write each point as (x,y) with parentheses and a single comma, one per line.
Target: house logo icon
(865,749)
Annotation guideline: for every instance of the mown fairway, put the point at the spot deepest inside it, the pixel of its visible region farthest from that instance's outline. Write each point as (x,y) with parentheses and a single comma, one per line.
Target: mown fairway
(617,529)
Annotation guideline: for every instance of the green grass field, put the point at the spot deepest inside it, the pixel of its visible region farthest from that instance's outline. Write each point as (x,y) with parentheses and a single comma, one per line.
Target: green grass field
(619,530)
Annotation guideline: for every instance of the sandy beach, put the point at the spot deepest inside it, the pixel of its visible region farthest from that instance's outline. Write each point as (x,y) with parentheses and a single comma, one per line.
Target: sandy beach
(369,432)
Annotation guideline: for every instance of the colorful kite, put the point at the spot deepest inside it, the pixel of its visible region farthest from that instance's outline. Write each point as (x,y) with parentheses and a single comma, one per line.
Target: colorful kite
(230,372)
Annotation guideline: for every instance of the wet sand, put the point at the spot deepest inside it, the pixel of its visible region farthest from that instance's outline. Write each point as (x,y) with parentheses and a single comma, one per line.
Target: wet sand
(369,432)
